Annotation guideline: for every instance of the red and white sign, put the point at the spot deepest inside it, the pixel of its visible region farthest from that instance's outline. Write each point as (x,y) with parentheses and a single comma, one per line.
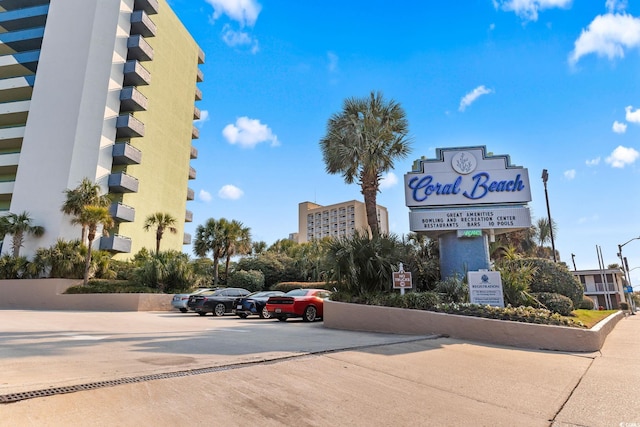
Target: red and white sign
(401,280)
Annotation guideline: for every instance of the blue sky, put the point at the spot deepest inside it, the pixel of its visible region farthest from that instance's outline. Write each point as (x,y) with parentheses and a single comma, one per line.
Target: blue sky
(552,83)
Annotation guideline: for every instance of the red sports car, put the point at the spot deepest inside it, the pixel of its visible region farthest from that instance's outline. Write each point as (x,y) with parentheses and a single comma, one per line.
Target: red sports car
(305,303)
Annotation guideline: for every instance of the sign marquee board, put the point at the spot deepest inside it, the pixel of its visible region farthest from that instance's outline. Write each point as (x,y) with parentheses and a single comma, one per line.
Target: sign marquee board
(485,288)
(469,219)
(465,176)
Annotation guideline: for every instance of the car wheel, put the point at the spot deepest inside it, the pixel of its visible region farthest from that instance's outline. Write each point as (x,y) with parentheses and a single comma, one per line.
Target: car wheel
(282,318)
(202,313)
(219,310)
(310,314)
(183,310)
(264,314)
(242,316)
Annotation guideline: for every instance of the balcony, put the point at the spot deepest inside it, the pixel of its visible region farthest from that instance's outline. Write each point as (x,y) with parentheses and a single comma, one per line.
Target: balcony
(122,213)
(139,49)
(141,24)
(14,113)
(20,19)
(10,161)
(195,133)
(16,88)
(128,126)
(194,153)
(192,173)
(149,6)
(19,64)
(196,113)
(199,76)
(186,239)
(135,74)
(11,137)
(126,154)
(115,243)
(200,56)
(188,216)
(198,95)
(191,195)
(132,100)
(7,5)
(6,187)
(21,41)
(120,182)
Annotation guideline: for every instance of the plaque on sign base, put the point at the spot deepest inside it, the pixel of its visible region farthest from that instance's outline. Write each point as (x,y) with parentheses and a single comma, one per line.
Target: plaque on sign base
(485,288)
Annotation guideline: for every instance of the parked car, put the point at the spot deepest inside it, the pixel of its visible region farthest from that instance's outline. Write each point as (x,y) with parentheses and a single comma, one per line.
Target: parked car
(180,301)
(305,303)
(255,303)
(217,301)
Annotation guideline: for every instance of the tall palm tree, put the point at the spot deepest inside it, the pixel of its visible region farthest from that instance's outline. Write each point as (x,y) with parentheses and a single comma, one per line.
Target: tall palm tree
(19,225)
(237,241)
(85,194)
(362,143)
(210,238)
(92,217)
(162,221)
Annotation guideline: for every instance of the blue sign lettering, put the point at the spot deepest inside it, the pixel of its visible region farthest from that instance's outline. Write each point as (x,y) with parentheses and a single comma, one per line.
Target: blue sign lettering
(424,187)
(483,185)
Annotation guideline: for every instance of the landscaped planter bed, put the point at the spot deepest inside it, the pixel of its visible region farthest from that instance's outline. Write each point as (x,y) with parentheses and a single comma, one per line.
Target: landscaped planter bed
(360,317)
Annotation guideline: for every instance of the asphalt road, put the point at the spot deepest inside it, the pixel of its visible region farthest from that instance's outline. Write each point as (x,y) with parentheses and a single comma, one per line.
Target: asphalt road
(64,368)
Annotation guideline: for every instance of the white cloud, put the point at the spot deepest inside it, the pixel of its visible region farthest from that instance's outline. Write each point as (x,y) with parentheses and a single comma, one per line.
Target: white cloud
(230,192)
(470,97)
(570,174)
(205,196)
(333,62)
(492,26)
(622,156)
(593,162)
(204,117)
(616,5)
(388,180)
(233,38)
(592,218)
(619,127)
(632,116)
(607,35)
(245,12)
(249,132)
(528,9)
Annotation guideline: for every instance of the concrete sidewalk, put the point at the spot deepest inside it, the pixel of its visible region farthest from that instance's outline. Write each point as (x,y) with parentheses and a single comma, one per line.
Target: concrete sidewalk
(439,382)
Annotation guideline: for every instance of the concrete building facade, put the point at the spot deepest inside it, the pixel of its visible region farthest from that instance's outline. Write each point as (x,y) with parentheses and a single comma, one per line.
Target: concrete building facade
(98,89)
(340,220)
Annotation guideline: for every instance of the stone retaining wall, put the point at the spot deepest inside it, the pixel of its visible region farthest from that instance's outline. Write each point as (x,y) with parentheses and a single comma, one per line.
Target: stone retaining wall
(48,294)
(359,317)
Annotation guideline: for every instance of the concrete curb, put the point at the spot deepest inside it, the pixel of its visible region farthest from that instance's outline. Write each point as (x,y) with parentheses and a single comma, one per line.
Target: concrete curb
(359,317)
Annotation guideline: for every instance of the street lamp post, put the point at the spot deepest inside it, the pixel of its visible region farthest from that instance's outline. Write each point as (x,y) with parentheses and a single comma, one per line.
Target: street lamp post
(573,259)
(625,269)
(545,177)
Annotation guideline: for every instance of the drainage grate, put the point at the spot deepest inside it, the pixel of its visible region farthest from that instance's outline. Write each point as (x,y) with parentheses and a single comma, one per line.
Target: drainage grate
(26,395)
(16,397)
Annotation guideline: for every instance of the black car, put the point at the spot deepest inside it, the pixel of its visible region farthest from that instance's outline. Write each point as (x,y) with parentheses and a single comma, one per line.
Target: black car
(217,301)
(255,304)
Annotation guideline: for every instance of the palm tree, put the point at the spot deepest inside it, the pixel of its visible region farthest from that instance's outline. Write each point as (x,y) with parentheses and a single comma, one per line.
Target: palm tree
(237,241)
(362,143)
(85,194)
(91,217)
(161,221)
(210,238)
(18,225)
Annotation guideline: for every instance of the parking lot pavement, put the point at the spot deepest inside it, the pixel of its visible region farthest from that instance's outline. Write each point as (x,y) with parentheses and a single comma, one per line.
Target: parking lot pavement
(376,380)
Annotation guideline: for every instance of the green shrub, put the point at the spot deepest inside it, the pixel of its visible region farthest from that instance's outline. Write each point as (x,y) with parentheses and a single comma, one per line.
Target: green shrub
(515,282)
(551,277)
(586,303)
(99,286)
(453,289)
(555,302)
(288,286)
(252,280)
(624,306)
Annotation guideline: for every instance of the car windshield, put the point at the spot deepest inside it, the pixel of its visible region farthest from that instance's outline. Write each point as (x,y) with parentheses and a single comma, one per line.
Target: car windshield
(210,292)
(297,293)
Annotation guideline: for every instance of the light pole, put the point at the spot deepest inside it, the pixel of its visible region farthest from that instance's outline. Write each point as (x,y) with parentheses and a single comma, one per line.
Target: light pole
(625,269)
(573,259)
(545,177)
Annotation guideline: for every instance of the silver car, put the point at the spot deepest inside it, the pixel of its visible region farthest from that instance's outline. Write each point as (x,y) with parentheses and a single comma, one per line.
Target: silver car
(180,301)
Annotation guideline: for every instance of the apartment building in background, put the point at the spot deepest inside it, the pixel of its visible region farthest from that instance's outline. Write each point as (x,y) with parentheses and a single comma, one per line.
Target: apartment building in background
(98,89)
(604,287)
(340,220)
